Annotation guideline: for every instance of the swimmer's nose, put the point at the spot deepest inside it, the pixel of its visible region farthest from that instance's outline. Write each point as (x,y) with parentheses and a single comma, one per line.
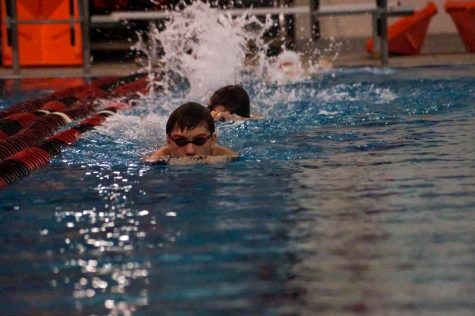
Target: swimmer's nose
(190,150)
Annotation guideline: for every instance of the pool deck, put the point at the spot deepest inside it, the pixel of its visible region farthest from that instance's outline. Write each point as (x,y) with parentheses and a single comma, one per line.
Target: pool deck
(345,60)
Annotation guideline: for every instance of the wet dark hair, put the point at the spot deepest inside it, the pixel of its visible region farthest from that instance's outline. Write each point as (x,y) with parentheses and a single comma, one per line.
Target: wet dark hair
(189,116)
(234,98)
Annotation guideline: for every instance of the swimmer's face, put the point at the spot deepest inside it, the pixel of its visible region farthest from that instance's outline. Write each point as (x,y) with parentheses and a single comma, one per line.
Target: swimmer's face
(191,142)
(288,67)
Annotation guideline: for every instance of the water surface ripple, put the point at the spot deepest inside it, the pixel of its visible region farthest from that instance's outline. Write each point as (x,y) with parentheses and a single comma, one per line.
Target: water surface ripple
(357,197)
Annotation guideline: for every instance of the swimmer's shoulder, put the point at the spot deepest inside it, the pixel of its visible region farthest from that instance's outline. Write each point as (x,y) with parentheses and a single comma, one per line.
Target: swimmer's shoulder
(256,116)
(253,116)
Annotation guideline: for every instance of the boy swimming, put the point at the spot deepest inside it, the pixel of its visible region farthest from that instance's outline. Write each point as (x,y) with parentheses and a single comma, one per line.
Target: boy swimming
(191,135)
(230,103)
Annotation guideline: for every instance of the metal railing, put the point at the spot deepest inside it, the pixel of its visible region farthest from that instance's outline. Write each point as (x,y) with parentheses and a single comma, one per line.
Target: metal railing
(379,12)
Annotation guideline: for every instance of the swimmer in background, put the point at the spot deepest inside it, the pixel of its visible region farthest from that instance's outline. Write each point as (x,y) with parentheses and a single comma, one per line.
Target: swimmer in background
(230,103)
(288,62)
(288,66)
(191,138)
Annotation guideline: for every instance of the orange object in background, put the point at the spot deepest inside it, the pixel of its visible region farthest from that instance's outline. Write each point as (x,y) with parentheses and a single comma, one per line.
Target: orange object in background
(44,44)
(463,15)
(406,35)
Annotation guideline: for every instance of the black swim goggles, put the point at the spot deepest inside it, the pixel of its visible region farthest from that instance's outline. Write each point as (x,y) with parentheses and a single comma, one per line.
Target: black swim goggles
(181,141)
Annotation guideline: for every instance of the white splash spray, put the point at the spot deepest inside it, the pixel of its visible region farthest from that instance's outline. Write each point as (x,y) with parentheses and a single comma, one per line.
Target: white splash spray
(203,47)
(208,47)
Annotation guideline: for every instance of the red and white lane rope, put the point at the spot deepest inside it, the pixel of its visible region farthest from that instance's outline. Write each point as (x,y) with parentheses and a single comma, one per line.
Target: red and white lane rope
(28,148)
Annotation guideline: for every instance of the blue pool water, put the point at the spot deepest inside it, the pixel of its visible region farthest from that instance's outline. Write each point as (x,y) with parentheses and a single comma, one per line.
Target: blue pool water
(354,195)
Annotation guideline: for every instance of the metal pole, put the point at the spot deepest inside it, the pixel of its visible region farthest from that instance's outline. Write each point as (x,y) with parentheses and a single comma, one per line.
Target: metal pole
(383,18)
(152,41)
(375,34)
(15,45)
(86,43)
(315,21)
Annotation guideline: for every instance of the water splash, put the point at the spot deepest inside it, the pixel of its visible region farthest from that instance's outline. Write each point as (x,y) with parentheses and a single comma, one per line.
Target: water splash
(204,49)
(209,48)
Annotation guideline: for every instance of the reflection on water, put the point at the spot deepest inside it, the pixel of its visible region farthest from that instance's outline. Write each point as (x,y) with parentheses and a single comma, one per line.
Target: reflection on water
(178,240)
(389,232)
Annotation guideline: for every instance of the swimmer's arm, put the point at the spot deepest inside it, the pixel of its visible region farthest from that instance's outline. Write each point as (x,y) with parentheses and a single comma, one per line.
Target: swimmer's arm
(219,155)
(226,116)
(199,159)
(158,155)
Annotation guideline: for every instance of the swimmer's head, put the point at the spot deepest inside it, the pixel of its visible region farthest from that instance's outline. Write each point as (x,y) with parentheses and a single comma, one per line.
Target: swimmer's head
(232,98)
(289,63)
(190,131)
(189,116)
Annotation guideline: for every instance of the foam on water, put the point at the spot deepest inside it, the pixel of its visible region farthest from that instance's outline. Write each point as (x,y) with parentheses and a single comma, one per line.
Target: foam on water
(354,92)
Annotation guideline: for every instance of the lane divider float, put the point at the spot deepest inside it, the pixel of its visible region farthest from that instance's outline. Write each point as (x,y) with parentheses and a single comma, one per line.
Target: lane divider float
(99,88)
(78,106)
(30,159)
(25,146)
